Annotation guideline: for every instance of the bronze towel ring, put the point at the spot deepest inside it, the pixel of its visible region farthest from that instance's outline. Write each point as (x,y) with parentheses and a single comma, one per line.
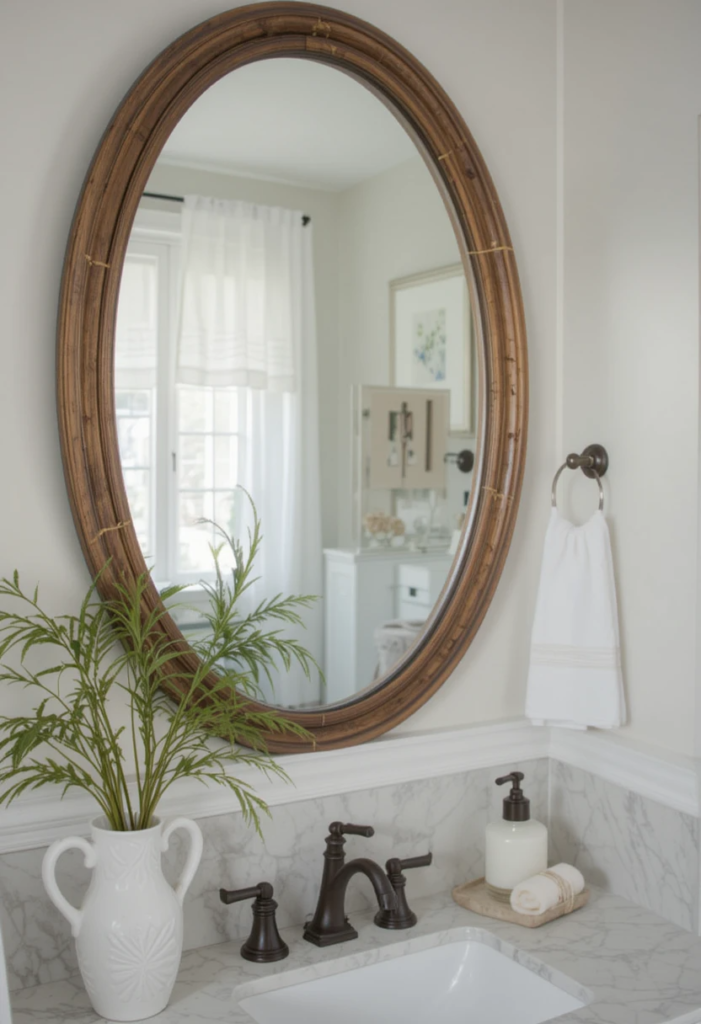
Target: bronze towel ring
(593,462)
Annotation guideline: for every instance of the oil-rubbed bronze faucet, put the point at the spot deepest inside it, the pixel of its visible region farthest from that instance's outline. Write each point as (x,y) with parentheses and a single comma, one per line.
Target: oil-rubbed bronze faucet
(330,924)
(403,916)
(263,945)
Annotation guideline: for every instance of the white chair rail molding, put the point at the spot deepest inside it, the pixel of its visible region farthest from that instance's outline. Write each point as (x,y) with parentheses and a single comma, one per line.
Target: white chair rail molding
(35,820)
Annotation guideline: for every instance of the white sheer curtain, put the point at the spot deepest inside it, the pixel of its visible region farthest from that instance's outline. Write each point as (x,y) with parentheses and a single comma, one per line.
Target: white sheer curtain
(136,342)
(241,295)
(248,320)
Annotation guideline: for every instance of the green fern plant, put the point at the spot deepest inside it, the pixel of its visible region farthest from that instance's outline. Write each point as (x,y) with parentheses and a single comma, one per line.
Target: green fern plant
(111,647)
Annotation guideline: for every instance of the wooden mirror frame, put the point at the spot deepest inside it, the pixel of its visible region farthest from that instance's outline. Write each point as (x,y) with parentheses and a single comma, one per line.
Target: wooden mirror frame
(89,294)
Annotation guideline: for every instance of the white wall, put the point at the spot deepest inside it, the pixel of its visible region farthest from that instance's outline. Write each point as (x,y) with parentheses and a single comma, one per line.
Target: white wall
(498,63)
(632,98)
(66,66)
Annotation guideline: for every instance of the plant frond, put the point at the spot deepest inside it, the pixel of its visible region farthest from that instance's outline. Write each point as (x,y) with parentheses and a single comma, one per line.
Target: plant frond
(118,645)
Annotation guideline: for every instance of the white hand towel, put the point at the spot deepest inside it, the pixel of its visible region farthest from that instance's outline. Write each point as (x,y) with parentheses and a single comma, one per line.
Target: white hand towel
(575,678)
(548,889)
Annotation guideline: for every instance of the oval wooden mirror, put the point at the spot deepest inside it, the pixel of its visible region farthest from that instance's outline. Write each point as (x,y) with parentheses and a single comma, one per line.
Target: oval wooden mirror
(247,40)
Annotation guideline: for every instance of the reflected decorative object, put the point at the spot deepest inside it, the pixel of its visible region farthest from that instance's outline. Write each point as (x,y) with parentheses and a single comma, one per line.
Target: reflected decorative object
(385,528)
(209,71)
(431,343)
(405,437)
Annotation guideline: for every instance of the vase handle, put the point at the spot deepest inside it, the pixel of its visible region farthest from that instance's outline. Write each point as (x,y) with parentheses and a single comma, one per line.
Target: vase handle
(193,857)
(48,874)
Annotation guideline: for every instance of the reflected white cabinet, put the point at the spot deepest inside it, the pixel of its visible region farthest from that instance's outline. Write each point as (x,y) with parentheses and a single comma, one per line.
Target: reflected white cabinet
(364,590)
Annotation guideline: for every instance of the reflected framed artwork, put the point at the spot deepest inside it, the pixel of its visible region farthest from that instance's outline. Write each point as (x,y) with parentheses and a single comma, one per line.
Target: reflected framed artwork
(431,338)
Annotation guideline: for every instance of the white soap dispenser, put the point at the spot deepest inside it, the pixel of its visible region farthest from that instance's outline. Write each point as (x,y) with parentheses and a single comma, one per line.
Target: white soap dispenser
(516,847)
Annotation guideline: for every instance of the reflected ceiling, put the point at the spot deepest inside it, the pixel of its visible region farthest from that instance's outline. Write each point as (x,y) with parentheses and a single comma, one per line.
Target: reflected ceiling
(327,133)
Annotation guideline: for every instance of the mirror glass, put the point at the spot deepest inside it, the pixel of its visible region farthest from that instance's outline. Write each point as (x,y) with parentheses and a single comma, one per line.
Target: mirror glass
(294,322)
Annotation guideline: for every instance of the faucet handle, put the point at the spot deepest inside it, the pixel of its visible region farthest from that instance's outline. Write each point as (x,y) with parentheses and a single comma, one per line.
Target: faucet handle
(263,945)
(396,866)
(338,828)
(403,916)
(237,895)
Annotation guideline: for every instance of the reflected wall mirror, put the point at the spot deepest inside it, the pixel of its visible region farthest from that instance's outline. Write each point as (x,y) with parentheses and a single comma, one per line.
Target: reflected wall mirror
(289,273)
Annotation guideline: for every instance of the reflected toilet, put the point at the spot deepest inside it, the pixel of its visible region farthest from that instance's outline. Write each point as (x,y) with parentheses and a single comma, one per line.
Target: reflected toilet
(393,639)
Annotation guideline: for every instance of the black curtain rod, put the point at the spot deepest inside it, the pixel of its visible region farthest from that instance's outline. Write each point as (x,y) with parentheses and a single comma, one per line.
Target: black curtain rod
(181,199)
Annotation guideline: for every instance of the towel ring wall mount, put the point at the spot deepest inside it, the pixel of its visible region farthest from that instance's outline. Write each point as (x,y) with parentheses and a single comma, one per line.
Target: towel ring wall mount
(593,462)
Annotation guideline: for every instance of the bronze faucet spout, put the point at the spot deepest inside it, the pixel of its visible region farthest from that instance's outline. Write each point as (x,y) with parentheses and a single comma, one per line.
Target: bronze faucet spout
(330,924)
(384,890)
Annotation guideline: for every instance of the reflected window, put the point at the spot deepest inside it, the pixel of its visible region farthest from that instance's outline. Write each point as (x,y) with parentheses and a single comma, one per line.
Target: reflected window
(183,455)
(135,385)
(208,445)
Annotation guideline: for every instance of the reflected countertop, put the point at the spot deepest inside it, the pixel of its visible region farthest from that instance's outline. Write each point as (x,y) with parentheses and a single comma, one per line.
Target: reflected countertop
(638,968)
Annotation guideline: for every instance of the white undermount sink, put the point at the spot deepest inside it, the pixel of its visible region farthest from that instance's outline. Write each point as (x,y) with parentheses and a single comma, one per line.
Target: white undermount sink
(455,980)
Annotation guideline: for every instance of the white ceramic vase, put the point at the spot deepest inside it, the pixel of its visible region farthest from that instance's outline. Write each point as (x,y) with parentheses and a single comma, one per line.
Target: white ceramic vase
(129,931)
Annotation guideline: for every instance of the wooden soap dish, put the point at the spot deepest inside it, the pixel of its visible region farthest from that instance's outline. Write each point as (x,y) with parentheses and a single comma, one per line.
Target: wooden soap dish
(474,896)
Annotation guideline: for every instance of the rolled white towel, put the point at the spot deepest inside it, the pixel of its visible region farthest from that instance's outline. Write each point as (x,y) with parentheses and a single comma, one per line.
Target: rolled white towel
(550,888)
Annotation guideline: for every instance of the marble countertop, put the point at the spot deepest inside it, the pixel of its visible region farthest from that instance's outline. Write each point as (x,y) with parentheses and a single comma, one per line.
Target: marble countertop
(632,966)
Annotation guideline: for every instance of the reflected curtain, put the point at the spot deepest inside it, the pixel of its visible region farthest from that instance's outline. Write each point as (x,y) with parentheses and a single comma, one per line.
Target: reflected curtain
(247,319)
(136,335)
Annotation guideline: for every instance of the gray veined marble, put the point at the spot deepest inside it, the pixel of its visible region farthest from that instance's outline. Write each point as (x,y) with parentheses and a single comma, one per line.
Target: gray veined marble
(625,843)
(629,965)
(446,815)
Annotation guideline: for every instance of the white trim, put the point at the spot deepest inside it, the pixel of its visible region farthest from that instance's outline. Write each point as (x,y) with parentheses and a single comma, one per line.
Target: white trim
(38,819)
(160,225)
(559,230)
(667,780)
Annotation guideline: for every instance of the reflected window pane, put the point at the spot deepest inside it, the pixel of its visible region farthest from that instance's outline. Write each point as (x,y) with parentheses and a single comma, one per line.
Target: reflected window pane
(208,472)
(195,537)
(195,461)
(133,403)
(225,509)
(136,337)
(225,462)
(225,411)
(138,487)
(194,409)
(134,436)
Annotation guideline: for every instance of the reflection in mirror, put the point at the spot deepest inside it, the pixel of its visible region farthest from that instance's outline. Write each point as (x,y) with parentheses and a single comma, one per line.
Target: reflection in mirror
(294,320)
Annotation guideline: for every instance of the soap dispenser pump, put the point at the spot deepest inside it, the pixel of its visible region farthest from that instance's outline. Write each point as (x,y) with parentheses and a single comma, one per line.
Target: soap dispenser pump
(517,846)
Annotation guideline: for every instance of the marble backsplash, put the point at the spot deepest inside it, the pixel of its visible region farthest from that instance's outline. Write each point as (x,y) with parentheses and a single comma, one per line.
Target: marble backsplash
(446,815)
(625,843)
